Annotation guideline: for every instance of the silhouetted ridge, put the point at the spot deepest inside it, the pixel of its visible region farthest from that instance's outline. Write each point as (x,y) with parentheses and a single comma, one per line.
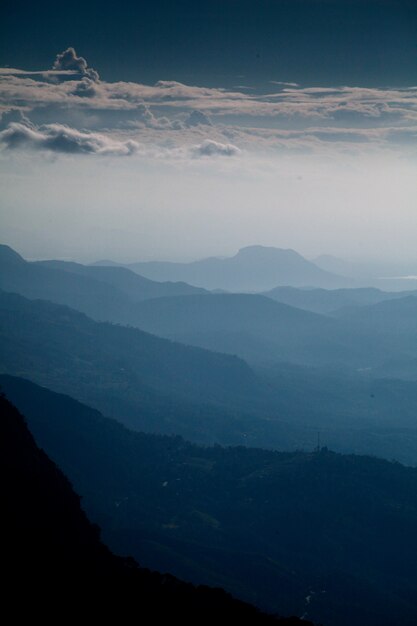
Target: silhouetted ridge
(54,563)
(9,256)
(269,253)
(43,521)
(155,385)
(137,288)
(272,528)
(104,293)
(254,268)
(331,300)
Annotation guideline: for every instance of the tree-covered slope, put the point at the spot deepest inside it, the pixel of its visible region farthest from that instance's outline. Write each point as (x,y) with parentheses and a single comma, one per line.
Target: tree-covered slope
(321,534)
(54,565)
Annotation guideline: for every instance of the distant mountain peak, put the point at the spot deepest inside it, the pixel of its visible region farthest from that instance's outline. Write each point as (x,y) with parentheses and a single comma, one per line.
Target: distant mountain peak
(266,252)
(253,268)
(8,255)
(106,263)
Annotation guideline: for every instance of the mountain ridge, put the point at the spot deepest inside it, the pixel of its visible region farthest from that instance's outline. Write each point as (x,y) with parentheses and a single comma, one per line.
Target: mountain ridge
(51,546)
(253,268)
(276,527)
(156,385)
(106,294)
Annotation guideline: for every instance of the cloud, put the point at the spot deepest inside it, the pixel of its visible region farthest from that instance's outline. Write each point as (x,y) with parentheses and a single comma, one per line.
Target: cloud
(86,88)
(173,115)
(13,115)
(145,116)
(142,117)
(60,138)
(214,148)
(198,118)
(283,83)
(68,60)
(76,88)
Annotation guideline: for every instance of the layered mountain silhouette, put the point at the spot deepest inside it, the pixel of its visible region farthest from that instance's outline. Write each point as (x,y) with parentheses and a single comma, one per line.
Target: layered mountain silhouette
(156,385)
(395,322)
(322,535)
(135,287)
(263,331)
(54,562)
(395,316)
(247,325)
(251,326)
(104,293)
(104,356)
(254,268)
(330,301)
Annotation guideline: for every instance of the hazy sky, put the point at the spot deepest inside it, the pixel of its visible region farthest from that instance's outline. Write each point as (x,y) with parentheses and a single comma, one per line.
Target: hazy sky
(181,130)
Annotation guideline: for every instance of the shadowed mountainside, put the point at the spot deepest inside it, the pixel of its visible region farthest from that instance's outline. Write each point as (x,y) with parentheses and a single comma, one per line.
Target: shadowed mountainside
(264,332)
(155,385)
(323,535)
(104,293)
(115,364)
(48,545)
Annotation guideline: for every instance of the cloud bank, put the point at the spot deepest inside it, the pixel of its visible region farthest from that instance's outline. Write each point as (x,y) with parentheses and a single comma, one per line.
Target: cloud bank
(59,138)
(72,110)
(214,148)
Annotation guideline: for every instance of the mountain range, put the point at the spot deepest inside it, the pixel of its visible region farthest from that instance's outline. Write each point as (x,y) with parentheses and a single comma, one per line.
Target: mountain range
(264,332)
(254,268)
(330,301)
(53,556)
(292,528)
(325,536)
(156,385)
(251,326)
(107,293)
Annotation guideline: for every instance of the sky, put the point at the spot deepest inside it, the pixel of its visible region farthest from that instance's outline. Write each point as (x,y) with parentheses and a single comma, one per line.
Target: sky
(182,130)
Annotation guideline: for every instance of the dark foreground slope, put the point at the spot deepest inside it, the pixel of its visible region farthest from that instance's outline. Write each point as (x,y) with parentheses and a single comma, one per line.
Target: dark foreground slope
(323,535)
(55,565)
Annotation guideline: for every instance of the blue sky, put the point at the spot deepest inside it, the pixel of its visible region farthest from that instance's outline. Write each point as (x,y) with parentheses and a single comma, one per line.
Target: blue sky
(217,42)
